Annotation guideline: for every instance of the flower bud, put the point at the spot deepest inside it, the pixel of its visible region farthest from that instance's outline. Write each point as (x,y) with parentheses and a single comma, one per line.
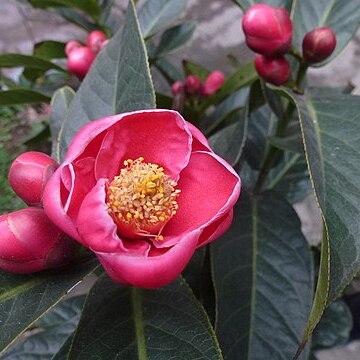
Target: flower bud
(268,30)
(177,88)
(29,174)
(273,70)
(318,44)
(213,83)
(79,61)
(30,242)
(71,45)
(103,44)
(192,84)
(94,40)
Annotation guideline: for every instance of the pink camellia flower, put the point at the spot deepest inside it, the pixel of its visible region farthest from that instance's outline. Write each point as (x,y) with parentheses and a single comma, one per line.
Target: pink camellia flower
(79,61)
(213,83)
(268,30)
(30,242)
(28,175)
(142,190)
(95,39)
(177,88)
(71,45)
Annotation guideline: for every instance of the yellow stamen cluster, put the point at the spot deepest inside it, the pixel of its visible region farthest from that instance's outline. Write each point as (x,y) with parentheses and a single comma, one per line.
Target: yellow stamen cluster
(142,196)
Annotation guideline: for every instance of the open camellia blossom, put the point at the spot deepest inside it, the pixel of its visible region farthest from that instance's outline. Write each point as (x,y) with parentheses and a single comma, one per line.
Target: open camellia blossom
(142,190)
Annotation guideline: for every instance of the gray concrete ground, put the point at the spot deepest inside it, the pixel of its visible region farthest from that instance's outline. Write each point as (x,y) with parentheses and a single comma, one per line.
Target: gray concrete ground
(218,34)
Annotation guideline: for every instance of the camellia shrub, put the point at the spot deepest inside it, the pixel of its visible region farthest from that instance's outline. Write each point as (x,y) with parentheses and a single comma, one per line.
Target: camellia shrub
(174,204)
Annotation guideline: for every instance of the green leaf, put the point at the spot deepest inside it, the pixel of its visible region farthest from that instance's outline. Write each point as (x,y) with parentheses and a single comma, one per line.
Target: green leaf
(62,354)
(166,323)
(60,105)
(52,332)
(342,16)
(119,81)
(263,279)
(245,75)
(330,127)
(49,50)
(175,37)
(230,141)
(27,61)
(170,72)
(245,4)
(76,17)
(90,7)
(334,327)
(21,96)
(290,178)
(158,14)
(25,298)
(191,68)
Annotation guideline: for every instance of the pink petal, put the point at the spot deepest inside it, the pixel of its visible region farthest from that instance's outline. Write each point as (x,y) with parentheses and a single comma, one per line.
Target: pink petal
(161,137)
(209,190)
(97,228)
(200,142)
(152,271)
(53,204)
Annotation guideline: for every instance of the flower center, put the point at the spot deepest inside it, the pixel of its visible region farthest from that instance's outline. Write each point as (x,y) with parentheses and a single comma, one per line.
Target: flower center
(142,199)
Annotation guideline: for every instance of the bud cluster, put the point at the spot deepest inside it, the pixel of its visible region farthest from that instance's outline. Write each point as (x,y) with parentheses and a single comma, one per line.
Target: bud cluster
(80,57)
(193,86)
(29,241)
(268,32)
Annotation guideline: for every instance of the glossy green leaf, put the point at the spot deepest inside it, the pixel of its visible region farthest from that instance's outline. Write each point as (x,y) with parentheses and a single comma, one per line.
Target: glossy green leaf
(90,7)
(60,105)
(174,38)
(263,279)
(27,61)
(118,81)
(334,327)
(170,72)
(331,127)
(158,14)
(166,323)
(25,298)
(342,16)
(52,332)
(50,50)
(21,96)
(245,75)
(62,354)
(230,141)
(76,17)
(290,178)
(245,4)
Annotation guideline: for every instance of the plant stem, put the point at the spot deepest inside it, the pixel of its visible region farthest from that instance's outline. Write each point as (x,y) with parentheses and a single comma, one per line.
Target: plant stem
(280,131)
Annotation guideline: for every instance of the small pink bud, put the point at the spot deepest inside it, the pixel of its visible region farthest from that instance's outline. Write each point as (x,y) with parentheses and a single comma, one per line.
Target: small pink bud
(268,30)
(29,174)
(273,70)
(213,83)
(192,84)
(71,45)
(94,40)
(79,61)
(318,44)
(30,242)
(177,88)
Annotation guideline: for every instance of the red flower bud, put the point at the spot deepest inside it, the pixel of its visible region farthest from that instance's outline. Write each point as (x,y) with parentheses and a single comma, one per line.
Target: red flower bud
(268,30)
(177,88)
(273,70)
(94,40)
(71,45)
(29,174)
(79,61)
(192,84)
(30,242)
(213,83)
(318,44)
